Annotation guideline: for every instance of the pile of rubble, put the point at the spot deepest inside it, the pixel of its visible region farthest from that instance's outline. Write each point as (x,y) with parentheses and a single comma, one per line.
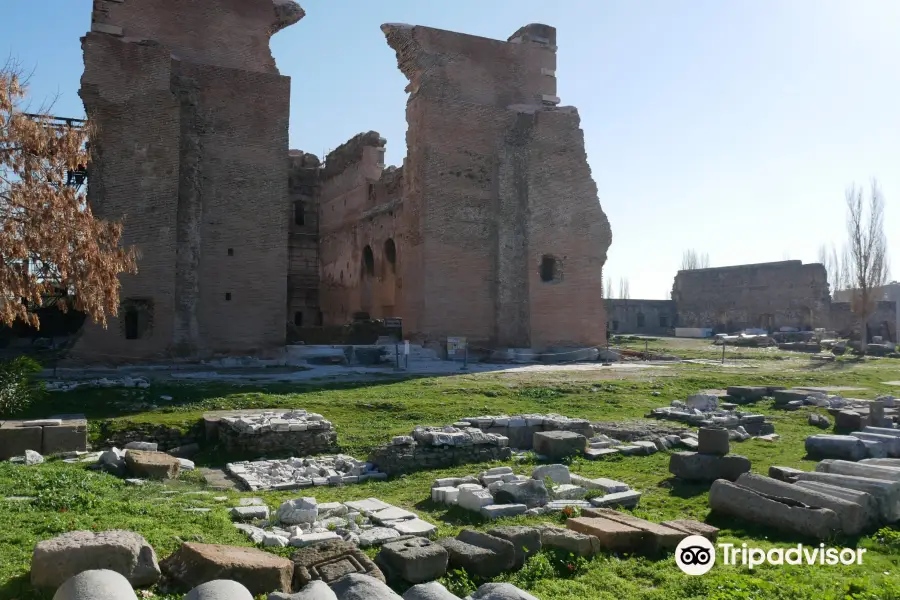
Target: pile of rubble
(498,492)
(440,447)
(303,522)
(256,433)
(703,410)
(794,399)
(138,461)
(298,473)
(105,382)
(840,497)
(520,429)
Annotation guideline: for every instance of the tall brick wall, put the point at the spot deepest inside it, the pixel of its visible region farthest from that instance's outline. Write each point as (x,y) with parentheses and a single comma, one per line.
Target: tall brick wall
(185,155)
(765,295)
(650,317)
(361,236)
(496,181)
(303,240)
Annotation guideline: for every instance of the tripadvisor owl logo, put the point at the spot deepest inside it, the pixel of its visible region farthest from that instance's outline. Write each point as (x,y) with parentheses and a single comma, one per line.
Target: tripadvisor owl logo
(695,555)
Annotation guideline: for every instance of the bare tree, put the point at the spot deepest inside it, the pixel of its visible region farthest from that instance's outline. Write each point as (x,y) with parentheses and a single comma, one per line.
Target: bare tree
(624,294)
(607,288)
(868,267)
(836,266)
(49,239)
(691,260)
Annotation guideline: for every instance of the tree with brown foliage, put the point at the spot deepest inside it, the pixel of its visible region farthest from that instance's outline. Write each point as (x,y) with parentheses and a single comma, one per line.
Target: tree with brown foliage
(867,266)
(49,239)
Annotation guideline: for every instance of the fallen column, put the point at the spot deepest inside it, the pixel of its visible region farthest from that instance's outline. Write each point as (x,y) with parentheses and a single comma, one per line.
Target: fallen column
(886,492)
(836,446)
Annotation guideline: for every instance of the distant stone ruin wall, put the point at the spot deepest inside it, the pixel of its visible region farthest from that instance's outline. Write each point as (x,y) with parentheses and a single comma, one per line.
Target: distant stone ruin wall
(649,317)
(190,153)
(115,434)
(409,458)
(362,242)
(845,322)
(303,241)
(766,295)
(504,226)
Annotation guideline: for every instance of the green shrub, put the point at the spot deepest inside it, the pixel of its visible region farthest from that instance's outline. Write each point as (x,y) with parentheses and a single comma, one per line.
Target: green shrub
(18,385)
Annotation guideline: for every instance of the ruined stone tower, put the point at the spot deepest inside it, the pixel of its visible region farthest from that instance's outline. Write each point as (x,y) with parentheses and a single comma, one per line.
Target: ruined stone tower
(192,153)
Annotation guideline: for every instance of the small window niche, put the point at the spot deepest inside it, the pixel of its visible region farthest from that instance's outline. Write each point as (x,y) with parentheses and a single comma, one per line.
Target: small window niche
(298,318)
(136,316)
(549,269)
(228,296)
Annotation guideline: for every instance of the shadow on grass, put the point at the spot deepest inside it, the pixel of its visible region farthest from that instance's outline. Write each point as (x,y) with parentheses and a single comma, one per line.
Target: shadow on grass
(683,489)
(19,588)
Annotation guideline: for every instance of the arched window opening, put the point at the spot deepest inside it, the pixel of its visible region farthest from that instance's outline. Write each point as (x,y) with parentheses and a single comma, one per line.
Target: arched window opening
(390,252)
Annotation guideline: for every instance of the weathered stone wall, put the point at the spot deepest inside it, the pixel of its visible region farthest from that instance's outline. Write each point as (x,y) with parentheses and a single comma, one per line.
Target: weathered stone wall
(651,317)
(303,240)
(846,322)
(186,155)
(114,434)
(361,237)
(765,295)
(496,184)
(295,443)
(409,458)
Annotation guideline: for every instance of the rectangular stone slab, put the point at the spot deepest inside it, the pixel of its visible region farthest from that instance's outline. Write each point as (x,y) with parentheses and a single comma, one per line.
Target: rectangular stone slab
(734,500)
(852,516)
(612,535)
(692,527)
(67,437)
(16,439)
(658,537)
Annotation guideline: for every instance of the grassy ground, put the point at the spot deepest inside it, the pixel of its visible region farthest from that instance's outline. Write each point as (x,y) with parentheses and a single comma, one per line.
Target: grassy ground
(366,415)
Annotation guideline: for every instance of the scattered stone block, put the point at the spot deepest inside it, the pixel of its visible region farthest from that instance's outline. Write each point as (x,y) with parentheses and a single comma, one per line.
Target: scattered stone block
(691,527)
(690,443)
(693,466)
(479,553)
(866,501)
(416,527)
(525,540)
(779,513)
(377,536)
(248,513)
(330,561)
(607,486)
(145,446)
(66,435)
(259,571)
(848,420)
(782,396)
(568,540)
(890,442)
(645,447)
(152,465)
(392,514)
(531,493)
(627,499)
(559,474)
(820,421)
(656,537)
(559,444)
(501,591)
(568,492)
(851,515)
(786,474)
(596,453)
(220,589)
(497,511)
(747,393)
(445,495)
(428,591)
(713,441)
(99,584)
(301,510)
(32,458)
(125,552)
(836,446)
(872,471)
(413,559)
(474,500)
(362,587)
(612,535)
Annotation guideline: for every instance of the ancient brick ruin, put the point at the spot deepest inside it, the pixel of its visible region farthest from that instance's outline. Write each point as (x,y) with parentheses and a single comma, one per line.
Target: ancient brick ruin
(490,230)
(197,170)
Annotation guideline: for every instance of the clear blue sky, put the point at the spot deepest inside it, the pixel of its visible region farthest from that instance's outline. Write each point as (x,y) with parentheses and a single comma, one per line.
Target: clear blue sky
(732,127)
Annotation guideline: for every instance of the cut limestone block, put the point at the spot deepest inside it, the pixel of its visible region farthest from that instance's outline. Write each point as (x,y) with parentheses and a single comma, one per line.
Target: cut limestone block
(782,514)
(525,540)
(152,465)
(786,474)
(852,516)
(259,571)
(747,393)
(607,486)
(579,544)
(691,527)
(559,444)
(612,535)
(713,440)
(15,439)
(330,561)
(885,492)
(479,553)
(656,537)
(693,466)
(627,499)
(497,511)
(69,436)
(413,559)
(836,446)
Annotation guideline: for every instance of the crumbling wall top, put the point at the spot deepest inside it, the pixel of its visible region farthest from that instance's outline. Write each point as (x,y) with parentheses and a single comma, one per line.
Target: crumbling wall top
(350,152)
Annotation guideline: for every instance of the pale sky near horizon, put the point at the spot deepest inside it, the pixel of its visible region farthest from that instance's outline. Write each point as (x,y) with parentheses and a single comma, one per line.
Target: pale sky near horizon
(731,127)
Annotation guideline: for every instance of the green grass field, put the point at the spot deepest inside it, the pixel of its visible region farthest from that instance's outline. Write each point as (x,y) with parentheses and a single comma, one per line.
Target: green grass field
(366,414)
